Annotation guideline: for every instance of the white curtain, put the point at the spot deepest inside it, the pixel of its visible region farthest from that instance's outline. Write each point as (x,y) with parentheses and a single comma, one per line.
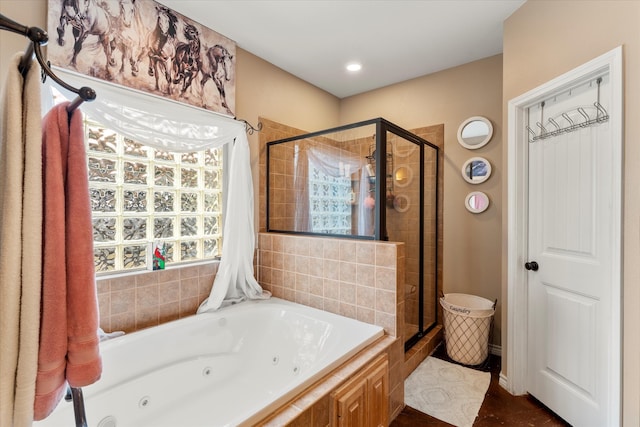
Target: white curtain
(177,127)
(301,187)
(234,281)
(366,205)
(330,161)
(334,162)
(149,119)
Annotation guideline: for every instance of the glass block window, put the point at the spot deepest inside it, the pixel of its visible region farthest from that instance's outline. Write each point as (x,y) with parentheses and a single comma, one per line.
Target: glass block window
(140,195)
(329,207)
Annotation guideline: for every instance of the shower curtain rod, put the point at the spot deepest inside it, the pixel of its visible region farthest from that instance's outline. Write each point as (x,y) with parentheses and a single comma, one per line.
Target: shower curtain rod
(38,38)
(249,128)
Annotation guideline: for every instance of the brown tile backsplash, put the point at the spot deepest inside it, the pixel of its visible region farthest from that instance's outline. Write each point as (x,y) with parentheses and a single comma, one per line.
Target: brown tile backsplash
(356,279)
(141,300)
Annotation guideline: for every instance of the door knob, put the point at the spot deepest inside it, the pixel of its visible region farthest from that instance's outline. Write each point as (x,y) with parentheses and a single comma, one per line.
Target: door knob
(531,265)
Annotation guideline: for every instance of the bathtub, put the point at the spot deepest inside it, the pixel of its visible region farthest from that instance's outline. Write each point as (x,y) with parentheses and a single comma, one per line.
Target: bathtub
(228,368)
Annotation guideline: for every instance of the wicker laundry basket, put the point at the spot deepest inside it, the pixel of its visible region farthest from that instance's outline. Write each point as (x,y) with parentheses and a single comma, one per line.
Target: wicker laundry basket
(467,326)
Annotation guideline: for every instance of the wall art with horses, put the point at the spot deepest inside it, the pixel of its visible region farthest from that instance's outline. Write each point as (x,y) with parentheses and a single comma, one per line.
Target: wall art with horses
(144,45)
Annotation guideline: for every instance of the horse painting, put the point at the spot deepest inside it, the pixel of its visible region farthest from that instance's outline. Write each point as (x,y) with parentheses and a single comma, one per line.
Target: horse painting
(160,45)
(186,62)
(148,47)
(217,67)
(86,18)
(127,27)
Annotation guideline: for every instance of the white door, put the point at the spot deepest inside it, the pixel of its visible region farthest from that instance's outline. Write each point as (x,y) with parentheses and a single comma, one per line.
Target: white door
(571,238)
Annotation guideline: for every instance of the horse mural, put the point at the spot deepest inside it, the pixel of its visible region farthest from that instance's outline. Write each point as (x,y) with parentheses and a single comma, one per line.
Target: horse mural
(86,18)
(186,62)
(179,51)
(160,45)
(217,67)
(127,27)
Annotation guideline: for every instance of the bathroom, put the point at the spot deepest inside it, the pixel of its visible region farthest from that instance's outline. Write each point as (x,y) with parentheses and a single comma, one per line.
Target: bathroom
(473,245)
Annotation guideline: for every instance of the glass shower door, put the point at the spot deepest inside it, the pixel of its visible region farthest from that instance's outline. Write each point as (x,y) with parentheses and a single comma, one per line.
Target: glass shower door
(411,218)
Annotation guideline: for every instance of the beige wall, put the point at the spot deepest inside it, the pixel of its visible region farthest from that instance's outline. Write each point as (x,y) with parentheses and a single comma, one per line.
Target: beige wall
(265,90)
(544,39)
(472,249)
(33,15)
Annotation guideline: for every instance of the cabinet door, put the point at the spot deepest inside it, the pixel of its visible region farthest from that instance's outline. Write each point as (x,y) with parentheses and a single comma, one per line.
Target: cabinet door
(378,388)
(363,400)
(351,404)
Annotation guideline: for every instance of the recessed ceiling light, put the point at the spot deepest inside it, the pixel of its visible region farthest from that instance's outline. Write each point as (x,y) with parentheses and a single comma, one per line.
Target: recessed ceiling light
(354,66)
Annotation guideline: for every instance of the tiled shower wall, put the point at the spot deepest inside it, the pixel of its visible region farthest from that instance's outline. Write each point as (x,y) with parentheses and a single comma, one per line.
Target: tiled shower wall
(137,301)
(357,279)
(398,225)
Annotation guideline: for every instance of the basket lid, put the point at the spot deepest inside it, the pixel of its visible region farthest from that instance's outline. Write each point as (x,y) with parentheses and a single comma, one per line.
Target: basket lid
(470,305)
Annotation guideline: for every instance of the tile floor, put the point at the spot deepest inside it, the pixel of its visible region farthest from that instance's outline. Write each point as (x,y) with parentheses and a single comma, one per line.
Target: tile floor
(498,409)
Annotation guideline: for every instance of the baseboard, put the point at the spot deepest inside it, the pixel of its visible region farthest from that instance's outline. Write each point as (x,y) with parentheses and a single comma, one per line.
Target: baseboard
(503,382)
(496,350)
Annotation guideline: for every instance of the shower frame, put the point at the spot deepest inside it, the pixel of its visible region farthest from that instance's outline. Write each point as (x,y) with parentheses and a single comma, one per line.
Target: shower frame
(382,126)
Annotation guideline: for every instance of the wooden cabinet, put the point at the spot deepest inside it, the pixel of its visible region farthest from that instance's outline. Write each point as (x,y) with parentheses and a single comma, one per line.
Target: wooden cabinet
(378,399)
(363,401)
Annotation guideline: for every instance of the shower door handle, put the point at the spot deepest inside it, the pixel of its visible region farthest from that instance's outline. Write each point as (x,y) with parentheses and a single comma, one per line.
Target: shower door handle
(533,266)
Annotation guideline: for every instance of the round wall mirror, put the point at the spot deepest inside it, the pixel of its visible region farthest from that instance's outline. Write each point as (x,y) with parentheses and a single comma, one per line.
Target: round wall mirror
(403,175)
(476,202)
(476,170)
(401,203)
(475,132)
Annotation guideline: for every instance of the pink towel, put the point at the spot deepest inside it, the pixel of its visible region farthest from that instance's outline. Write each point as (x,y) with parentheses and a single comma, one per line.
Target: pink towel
(69,323)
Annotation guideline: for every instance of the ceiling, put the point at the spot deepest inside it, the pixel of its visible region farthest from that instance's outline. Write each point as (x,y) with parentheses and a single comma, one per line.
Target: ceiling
(394,40)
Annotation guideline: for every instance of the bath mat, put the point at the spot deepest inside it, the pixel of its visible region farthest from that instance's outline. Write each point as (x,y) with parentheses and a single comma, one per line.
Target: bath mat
(449,392)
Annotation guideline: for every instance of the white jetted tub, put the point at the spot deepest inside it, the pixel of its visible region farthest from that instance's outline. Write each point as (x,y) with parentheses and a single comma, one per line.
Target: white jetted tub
(228,368)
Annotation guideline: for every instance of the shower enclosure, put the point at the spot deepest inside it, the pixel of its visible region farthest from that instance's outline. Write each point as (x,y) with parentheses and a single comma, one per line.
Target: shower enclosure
(368,180)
